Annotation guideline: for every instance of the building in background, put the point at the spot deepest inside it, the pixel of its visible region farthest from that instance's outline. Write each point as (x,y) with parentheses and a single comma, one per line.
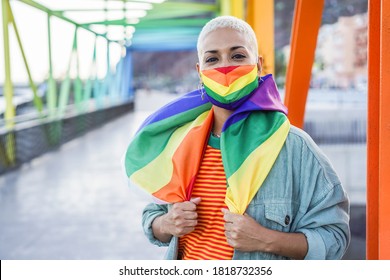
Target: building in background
(341,56)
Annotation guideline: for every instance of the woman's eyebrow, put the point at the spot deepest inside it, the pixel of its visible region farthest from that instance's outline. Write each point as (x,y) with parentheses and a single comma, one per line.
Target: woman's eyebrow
(231,49)
(237,47)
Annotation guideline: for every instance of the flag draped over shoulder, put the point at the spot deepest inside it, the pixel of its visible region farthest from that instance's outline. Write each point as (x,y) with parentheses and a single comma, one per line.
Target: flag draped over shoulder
(165,154)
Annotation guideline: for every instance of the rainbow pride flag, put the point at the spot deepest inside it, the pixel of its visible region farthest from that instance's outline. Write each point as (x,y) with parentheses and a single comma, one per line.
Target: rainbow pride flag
(166,152)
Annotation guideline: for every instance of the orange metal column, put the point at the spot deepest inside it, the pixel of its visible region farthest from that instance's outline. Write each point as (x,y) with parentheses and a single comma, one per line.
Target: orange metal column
(378,140)
(306,23)
(384,133)
(372,241)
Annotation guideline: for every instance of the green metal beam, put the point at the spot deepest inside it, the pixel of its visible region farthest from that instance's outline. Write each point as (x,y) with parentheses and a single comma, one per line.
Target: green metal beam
(166,10)
(61,16)
(37,100)
(9,150)
(52,88)
(154,23)
(88,10)
(66,83)
(121,21)
(179,9)
(172,31)
(9,113)
(160,24)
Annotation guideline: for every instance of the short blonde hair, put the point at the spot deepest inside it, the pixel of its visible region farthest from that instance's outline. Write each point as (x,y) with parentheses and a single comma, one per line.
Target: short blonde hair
(228,22)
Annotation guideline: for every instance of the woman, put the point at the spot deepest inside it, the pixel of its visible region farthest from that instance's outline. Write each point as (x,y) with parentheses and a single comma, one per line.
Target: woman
(241,182)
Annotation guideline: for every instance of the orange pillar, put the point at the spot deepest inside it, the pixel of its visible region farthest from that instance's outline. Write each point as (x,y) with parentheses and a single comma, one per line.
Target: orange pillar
(384,135)
(372,242)
(306,23)
(378,137)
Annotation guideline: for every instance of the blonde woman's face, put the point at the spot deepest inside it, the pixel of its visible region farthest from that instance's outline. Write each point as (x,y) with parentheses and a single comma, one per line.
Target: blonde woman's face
(225,47)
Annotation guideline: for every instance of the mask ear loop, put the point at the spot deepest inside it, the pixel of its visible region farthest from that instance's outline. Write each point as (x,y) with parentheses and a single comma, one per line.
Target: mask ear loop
(261,78)
(201,90)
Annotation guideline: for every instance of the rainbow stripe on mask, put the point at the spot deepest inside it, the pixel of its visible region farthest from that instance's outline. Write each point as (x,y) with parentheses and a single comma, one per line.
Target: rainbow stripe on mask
(230,84)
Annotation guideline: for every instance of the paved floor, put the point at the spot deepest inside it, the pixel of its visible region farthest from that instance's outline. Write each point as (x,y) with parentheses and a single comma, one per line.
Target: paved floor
(74,203)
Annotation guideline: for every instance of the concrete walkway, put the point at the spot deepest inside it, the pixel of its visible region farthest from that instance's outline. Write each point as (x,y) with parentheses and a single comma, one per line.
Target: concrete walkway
(74,203)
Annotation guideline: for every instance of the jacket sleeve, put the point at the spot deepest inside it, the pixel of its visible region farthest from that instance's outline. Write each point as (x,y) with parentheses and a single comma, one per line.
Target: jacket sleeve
(151,212)
(326,227)
(324,218)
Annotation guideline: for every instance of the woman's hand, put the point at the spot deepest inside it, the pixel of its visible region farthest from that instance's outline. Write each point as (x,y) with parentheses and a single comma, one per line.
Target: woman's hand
(246,234)
(181,219)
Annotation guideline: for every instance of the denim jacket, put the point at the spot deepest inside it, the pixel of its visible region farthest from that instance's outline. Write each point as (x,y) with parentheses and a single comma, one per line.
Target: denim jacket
(302,193)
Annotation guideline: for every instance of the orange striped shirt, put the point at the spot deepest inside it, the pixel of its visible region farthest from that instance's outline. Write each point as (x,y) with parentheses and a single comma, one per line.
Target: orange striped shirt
(208,241)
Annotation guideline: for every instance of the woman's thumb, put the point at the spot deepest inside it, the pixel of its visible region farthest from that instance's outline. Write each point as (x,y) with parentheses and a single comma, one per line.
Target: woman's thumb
(196,200)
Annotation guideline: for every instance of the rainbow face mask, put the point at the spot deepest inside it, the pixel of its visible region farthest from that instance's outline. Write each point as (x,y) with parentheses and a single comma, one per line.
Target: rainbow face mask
(228,87)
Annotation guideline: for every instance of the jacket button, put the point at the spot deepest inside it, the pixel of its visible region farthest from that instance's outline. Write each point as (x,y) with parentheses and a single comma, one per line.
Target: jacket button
(287,220)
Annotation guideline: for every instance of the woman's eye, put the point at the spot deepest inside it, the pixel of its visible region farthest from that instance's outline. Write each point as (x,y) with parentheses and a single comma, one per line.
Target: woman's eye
(211,59)
(238,56)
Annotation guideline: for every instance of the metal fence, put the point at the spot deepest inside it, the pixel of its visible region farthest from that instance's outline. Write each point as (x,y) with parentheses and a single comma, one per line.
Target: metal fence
(329,132)
(36,137)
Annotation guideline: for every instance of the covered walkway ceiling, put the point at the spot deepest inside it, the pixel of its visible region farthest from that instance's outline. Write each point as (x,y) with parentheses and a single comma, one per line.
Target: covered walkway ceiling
(138,24)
